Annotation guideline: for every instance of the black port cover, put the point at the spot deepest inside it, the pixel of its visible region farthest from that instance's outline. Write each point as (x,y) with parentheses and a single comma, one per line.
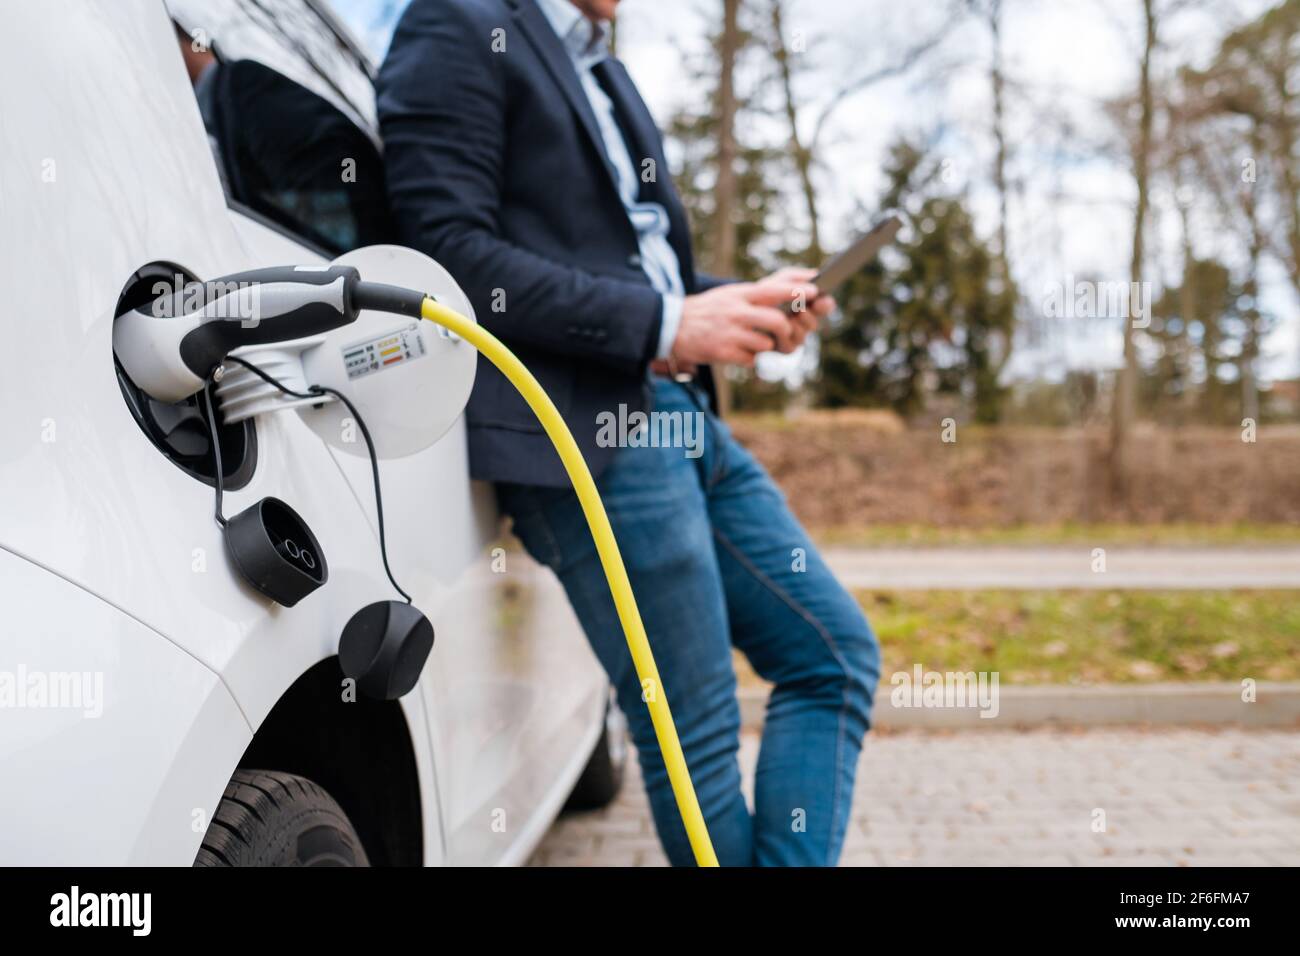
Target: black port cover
(384,647)
(276,552)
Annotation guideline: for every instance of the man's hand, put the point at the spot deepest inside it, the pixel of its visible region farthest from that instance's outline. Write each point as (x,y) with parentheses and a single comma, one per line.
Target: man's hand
(733,323)
(807,309)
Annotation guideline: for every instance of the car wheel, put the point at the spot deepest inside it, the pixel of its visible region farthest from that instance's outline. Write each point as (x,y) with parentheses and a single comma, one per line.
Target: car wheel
(602,778)
(268,818)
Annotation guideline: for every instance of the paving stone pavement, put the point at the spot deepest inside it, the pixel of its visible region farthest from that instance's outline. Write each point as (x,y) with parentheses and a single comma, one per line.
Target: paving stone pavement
(1003,798)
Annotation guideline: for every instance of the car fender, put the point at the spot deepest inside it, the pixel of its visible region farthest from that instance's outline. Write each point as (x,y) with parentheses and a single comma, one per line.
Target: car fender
(116,743)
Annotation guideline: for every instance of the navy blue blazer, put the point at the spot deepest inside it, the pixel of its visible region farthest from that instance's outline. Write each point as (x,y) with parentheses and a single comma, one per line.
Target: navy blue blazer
(495,168)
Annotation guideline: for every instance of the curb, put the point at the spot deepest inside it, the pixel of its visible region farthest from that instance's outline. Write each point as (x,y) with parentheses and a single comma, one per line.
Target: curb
(1051,568)
(1277,704)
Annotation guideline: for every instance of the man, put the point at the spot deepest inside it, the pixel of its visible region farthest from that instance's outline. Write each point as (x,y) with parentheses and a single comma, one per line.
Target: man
(520,155)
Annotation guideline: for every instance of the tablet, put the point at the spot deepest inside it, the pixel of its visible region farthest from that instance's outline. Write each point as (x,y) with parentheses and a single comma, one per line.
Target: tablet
(844,266)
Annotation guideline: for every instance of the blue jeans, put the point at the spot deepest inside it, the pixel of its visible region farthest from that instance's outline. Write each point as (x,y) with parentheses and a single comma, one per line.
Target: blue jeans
(716,559)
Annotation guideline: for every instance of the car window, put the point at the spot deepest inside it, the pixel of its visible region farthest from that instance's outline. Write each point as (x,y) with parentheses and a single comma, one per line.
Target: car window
(288,105)
(302,39)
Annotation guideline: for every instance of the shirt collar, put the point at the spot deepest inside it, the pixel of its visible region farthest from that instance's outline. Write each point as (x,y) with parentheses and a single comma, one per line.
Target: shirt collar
(587,43)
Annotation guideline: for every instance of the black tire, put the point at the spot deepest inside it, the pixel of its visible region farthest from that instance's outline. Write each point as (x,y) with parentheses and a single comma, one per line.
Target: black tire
(268,818)
(602,778)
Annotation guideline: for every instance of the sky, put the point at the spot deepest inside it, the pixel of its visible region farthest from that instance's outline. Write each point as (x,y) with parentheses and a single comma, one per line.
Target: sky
(1071,207)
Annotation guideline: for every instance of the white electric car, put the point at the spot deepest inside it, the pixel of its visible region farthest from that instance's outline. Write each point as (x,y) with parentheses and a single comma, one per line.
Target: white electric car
(155,709)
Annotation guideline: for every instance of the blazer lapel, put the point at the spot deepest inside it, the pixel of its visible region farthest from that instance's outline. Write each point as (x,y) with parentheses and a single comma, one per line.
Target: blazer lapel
(537,29)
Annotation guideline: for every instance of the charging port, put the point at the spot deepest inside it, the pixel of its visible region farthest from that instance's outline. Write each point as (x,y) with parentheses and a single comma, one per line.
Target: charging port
(180,430)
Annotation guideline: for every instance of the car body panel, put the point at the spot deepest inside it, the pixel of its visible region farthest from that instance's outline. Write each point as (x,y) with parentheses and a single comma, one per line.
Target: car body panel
(126,770)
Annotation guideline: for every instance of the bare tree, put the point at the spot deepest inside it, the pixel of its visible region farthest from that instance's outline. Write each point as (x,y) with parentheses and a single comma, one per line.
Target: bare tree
(1233,120)
(724,198)
(1211,142)
(992,14)
(724,244)
(1254,76)
(1125,400)
(997,83)
(1255,241)
(799,153)
(803,153)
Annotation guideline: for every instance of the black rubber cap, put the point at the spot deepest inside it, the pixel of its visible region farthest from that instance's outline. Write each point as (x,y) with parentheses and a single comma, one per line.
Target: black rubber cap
(384,647)
(276,552)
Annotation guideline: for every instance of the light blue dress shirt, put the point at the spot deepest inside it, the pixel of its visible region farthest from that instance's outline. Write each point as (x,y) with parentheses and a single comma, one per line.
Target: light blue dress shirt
(587,44)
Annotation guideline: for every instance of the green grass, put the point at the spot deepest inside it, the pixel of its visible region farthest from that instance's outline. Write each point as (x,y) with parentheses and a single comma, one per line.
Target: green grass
(1095,535)
(1058,637)
(1086,637)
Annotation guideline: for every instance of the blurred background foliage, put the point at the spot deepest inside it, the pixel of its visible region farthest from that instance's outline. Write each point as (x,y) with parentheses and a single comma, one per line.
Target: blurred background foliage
(934,323)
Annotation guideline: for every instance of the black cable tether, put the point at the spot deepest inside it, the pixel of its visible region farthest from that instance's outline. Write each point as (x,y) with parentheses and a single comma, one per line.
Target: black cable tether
(315,391)
(216,450)
(374,470)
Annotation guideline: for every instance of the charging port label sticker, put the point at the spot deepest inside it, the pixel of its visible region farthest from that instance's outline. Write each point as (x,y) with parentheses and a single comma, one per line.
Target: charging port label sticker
(384,351)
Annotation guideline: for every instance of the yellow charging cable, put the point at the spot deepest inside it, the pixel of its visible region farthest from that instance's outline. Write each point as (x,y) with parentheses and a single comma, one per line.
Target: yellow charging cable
(610,559)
